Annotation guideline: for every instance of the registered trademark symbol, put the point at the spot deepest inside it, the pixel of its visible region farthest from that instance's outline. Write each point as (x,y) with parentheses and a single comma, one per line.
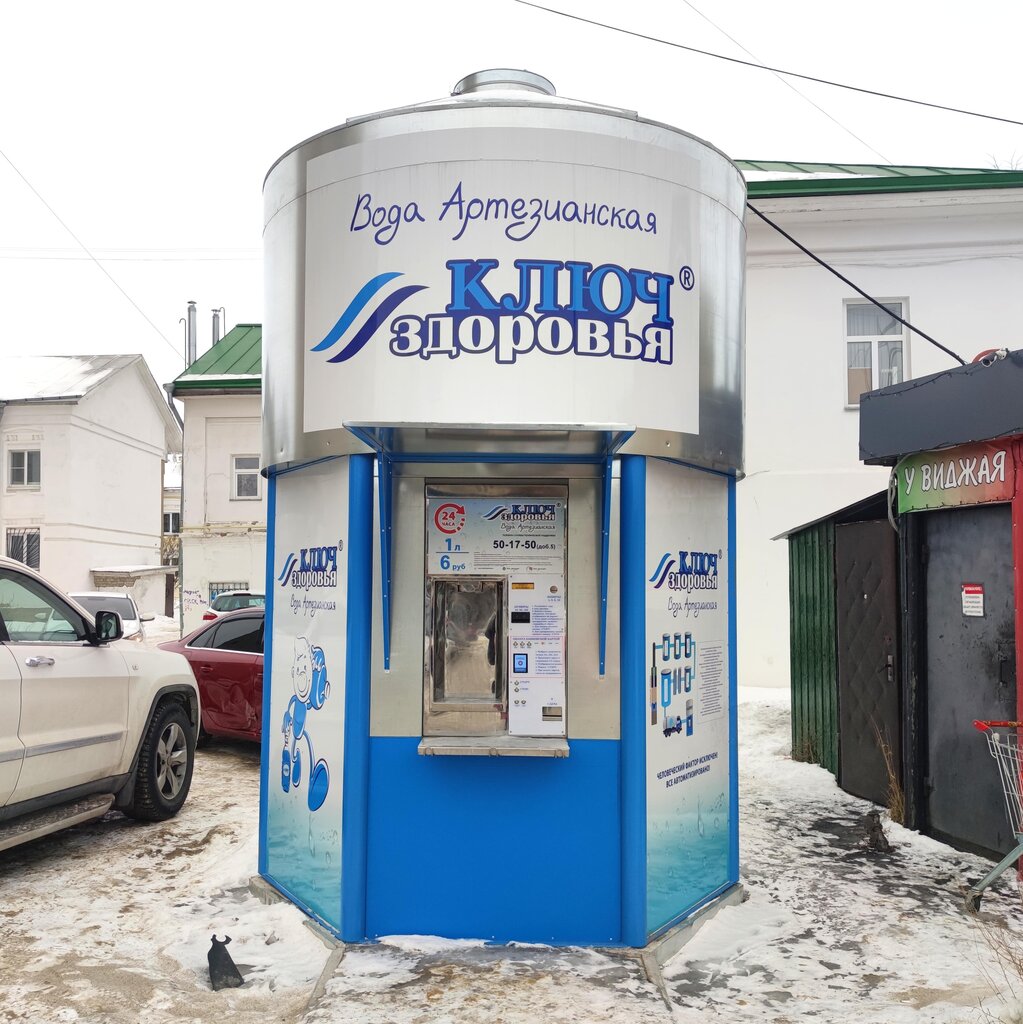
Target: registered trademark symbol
(687,278)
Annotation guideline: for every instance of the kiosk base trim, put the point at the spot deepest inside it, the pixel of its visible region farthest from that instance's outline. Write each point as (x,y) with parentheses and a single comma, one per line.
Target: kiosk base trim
(494,746)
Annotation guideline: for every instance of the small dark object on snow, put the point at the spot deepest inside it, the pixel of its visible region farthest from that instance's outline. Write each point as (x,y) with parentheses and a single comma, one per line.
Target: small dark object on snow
(876,839)
(223,972)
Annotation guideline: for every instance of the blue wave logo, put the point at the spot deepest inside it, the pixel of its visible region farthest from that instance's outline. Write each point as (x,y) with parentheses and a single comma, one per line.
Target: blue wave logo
(497,510)
(289,563)
(367,293)
(664,567)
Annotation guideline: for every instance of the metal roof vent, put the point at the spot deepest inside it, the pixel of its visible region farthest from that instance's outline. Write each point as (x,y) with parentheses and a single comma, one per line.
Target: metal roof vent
(504,78)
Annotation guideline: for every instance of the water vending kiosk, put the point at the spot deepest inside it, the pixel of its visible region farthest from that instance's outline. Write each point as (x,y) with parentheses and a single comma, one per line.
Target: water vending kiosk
(502,428)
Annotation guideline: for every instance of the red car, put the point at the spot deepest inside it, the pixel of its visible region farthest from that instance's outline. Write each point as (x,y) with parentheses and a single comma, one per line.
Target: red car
(226,657)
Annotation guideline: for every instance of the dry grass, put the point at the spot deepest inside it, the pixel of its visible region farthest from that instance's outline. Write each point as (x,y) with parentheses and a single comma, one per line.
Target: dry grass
(1006,975)
(807,749)
(896,797)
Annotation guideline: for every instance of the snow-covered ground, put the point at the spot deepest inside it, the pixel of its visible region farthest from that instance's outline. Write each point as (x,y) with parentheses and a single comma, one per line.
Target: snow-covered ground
(110,922)
(832,931)
(162,629)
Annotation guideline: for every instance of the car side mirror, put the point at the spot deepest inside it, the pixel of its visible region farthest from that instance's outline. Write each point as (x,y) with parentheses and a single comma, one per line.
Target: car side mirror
(147,618)
(108,628)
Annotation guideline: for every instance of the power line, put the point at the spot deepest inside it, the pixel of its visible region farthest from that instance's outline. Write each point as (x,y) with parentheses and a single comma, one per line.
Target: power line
(88,253)
(135,259)
(855,287)
(106,253)
(789,85)
(765,67)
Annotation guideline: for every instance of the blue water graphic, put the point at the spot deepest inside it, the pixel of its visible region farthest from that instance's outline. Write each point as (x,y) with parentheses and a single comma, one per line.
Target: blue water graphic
(687,860)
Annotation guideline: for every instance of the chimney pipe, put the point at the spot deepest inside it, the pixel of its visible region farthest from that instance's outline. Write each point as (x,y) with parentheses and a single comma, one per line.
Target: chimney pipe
(190,338)
(216,325)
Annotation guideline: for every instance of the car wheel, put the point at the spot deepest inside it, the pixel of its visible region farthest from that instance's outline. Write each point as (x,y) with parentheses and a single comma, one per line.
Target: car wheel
(164,772)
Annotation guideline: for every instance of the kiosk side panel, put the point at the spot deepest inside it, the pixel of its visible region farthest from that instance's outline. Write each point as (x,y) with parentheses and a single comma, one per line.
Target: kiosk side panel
(304,726)
(689,706)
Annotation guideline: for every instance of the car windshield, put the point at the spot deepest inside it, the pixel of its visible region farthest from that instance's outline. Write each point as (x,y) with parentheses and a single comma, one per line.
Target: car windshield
(121,605)
(232,602)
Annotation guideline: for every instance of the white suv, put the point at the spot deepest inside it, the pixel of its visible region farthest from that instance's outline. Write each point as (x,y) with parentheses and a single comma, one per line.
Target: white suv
(86,725)
(232,601)
(123,603)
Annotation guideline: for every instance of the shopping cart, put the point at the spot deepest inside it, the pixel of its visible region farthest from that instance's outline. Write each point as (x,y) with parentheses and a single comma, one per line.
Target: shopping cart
(1005,749)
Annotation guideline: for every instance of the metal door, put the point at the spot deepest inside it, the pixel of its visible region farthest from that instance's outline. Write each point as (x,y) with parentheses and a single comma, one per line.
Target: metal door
(970,671)
(868,689)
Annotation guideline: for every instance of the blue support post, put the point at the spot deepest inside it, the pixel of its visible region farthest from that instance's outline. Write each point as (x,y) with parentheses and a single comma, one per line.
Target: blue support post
(733,688)
(605,554)
(358,645)
(384,477)
(271,581)
(633,700)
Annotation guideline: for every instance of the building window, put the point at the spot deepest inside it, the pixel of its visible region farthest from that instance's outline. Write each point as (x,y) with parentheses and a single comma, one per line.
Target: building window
(172,522)
(23,545)
(23,468)
(245,477)
(220,588)
(875,346)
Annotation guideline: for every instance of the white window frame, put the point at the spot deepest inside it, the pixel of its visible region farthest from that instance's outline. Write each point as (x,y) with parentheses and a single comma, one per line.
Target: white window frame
(26,484)
(236,472)
(168,520)
(873,339)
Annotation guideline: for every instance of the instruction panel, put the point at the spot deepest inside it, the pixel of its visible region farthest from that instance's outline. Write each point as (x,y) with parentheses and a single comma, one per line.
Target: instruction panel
(523,540)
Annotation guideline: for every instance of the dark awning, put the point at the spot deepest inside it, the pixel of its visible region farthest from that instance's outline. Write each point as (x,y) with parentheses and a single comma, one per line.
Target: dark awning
(978,402)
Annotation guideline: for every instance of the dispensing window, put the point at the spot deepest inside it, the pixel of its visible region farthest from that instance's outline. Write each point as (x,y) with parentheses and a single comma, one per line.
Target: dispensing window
(466,674)
(468,641)
(495,619)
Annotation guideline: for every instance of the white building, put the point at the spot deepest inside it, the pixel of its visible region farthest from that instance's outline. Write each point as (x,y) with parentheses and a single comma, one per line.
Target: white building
(223,497)
(943,248)
(171,541)
(84,444)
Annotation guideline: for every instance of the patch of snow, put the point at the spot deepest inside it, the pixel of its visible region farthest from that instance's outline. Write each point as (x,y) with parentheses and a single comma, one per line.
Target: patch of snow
(428,943)
(113,919)
(832,931)
(161,630)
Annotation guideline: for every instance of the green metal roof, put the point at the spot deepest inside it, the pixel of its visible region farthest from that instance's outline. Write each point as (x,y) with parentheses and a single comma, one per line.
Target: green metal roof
(234,363)
(791,178)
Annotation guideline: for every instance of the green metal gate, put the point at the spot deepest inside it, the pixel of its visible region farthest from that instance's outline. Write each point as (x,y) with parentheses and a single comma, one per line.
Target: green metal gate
(814,653)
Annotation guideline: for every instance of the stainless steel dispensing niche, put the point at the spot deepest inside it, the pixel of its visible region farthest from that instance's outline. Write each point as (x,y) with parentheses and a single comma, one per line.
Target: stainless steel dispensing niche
(496,620)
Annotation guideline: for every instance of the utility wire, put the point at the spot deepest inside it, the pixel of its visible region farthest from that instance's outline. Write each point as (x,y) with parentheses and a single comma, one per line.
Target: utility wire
(856,288)
(134,259)
(788,84)
(88,253)
(764,67)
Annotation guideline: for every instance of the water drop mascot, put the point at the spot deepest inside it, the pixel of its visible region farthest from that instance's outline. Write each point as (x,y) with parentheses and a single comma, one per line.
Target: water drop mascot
(309,678)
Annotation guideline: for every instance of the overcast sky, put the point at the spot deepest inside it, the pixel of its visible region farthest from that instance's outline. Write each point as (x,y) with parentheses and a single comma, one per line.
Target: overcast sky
(148,127)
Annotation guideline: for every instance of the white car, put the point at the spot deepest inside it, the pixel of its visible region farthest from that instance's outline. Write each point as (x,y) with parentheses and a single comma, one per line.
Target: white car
(232,601)
(86,725)
(123,603)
